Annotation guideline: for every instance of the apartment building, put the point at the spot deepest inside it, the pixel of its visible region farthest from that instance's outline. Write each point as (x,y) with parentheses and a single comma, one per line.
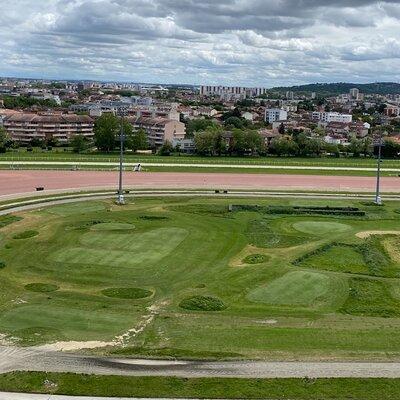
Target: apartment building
(238,92)
(24,127)
(331,117)
(275,114)
(159,130)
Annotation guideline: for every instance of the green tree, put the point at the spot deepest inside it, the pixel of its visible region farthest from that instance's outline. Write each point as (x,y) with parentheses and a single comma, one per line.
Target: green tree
(166,149)
(204,142)
(137,140)
(4,140)
(106,129)
(197,125)
(283,146)
(355,147)
(79,143)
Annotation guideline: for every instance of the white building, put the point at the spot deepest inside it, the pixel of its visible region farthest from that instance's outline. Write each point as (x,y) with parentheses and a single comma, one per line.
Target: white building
(275,114)
(238,92)
(332,117)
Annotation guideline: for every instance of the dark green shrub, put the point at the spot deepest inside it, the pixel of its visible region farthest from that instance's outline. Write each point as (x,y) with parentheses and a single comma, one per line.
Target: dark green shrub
(41,287)
(202,303)
(26,235)
(255,259)
(2,264)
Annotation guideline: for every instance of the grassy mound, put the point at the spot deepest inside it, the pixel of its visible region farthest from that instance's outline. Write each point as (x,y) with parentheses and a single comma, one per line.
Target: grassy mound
(255,259)
(202,303)
(26,234)
(260,234)
(320,227)
(298,288)
(127,293)
(370,298)
(41,287)
(153,217)
(337,258)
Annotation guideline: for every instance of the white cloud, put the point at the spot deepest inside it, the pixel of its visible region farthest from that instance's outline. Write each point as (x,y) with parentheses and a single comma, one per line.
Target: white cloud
(257,42)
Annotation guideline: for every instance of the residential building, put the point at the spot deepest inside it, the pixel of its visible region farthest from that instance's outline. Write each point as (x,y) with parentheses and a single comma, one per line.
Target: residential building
(159,130)
(23,127)
(332,117)
(275,114)
(232,92)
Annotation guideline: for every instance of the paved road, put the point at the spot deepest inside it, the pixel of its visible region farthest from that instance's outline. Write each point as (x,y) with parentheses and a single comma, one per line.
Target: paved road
(31,359)
(18,182)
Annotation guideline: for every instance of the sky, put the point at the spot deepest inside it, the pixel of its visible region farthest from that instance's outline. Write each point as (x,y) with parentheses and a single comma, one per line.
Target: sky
(263,43)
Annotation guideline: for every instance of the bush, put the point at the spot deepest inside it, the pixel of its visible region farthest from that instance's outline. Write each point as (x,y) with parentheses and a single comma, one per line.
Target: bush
(26,235)
(127,293)
(2,264)
(202,303)
(41,287)
(255,259)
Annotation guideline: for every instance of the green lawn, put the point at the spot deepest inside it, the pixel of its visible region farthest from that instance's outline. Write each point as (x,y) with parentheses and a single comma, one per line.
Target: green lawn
(211,388)
(217,284)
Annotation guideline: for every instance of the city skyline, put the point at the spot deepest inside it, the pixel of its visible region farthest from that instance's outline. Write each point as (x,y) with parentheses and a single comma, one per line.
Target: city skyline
(244,42)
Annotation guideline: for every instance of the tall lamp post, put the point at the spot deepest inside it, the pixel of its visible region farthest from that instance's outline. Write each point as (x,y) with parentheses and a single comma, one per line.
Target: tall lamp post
(120,198)
(378,198)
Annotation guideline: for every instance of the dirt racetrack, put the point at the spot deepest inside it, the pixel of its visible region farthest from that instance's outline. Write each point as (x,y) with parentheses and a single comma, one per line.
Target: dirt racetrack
(22,182)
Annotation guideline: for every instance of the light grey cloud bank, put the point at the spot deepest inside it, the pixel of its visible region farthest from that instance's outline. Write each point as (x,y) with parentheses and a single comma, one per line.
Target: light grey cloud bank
(240,42)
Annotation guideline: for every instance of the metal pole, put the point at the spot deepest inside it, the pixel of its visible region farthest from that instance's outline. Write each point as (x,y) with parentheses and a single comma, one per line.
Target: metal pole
(120,199)
(378,199)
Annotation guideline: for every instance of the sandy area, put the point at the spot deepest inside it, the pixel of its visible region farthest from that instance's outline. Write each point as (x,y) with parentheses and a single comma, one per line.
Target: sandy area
(367,234)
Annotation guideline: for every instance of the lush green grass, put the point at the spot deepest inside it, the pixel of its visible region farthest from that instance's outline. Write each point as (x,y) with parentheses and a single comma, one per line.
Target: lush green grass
(127,293)
(212,388)
(8,219)
(193,248)
(320,227)
(300,288)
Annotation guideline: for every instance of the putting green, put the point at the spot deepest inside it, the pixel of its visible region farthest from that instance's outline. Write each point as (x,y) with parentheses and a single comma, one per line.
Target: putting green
(320,227)
(122,249)
(298,288)
(112,226)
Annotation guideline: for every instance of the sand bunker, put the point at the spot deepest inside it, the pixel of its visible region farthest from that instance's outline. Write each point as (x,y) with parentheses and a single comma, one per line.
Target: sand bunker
(367,234)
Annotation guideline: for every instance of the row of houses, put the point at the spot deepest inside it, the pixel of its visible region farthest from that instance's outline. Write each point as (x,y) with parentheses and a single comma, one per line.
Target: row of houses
(25,127)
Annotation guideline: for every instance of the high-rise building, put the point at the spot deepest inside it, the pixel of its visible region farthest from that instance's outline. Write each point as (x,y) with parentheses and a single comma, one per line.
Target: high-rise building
(275,114)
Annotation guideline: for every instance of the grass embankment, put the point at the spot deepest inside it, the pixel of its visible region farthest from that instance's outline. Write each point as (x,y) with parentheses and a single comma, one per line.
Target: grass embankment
(217,284)
(211,388)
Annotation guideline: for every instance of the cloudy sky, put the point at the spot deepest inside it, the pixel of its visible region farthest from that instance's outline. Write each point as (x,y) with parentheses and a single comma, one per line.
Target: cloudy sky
(235,42)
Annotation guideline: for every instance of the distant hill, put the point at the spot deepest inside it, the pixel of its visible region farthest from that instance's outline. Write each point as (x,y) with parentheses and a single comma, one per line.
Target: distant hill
(327,89)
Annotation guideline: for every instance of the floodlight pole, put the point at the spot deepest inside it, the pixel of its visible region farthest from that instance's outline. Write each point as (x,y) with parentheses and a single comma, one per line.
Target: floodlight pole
(378,199)
(120,198)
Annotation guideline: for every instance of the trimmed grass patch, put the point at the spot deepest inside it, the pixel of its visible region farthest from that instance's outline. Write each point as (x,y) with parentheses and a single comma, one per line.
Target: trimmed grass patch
(8,219)
(127,293)
(112,226)
(202,303)
(298,288)
(41,287)
(320,227)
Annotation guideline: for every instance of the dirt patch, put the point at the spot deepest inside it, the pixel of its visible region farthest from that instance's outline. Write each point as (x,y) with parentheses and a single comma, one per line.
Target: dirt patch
(367,234)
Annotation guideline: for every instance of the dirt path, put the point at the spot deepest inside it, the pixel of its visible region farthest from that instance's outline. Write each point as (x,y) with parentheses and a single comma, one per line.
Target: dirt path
(31,359)
(12,182)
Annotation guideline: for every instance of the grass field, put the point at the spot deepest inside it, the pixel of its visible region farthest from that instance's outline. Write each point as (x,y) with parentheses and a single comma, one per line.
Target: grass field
(210,388)
(203,282)
(215,164)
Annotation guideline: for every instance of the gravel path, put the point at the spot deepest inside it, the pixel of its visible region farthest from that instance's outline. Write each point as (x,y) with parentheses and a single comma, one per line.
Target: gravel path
(31,359)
